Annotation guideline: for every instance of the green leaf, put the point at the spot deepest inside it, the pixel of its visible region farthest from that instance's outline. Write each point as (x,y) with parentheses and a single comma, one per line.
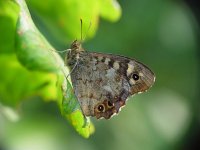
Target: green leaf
(35,53)
(8,17)
(110,10)
(71,110)
(17,83)
(32,49)
(63,21)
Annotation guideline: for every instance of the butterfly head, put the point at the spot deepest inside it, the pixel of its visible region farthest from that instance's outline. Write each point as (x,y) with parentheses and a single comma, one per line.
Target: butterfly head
(74,53)
(76,46)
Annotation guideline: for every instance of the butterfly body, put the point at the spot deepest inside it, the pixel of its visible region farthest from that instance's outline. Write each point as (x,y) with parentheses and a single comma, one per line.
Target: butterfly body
(103,82)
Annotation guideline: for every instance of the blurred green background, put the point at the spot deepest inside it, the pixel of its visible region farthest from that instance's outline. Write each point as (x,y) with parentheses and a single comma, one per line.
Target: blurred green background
(163,34)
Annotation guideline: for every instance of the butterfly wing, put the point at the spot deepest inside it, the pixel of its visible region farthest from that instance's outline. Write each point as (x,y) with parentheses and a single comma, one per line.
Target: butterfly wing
(103,82)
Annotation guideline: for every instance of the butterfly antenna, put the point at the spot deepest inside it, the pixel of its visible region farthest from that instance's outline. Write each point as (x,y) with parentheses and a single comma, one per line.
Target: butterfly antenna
(83,38)
(81,30)
(87,30)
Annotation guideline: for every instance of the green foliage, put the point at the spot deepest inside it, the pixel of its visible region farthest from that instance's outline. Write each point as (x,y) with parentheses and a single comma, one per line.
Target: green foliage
(8,16)
(31,66)
(62,18)
(71,110)
(18,83)
(159,33)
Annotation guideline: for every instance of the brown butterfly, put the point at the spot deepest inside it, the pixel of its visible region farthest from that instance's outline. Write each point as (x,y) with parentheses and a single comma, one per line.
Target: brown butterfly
(103,82)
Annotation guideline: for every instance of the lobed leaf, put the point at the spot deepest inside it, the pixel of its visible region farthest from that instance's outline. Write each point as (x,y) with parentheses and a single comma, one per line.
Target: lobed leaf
(62,18)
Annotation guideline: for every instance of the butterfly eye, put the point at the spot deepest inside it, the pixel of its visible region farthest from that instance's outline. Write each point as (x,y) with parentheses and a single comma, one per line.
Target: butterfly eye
(101,108)
(135,76)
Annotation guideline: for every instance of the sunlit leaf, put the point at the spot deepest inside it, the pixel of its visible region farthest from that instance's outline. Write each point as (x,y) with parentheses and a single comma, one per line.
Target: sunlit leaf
(62,18)
(71,110)
(17,83)
(8,17)
(33,50)
(110,9)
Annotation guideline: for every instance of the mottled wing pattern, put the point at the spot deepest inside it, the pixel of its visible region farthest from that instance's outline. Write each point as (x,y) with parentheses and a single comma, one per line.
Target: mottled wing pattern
(103,82)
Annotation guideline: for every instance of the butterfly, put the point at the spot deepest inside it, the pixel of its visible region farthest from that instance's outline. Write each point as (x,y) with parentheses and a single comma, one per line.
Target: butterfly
(103,82)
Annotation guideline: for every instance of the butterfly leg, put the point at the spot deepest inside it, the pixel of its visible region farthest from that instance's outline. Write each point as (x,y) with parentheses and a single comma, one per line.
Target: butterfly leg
(76,64)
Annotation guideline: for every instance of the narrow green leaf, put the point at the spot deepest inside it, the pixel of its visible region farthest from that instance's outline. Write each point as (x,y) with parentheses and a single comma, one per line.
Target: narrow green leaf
(71,110)
(32,49)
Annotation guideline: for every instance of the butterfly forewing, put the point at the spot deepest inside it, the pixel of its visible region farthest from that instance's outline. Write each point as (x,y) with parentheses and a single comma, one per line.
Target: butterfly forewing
(139,76)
